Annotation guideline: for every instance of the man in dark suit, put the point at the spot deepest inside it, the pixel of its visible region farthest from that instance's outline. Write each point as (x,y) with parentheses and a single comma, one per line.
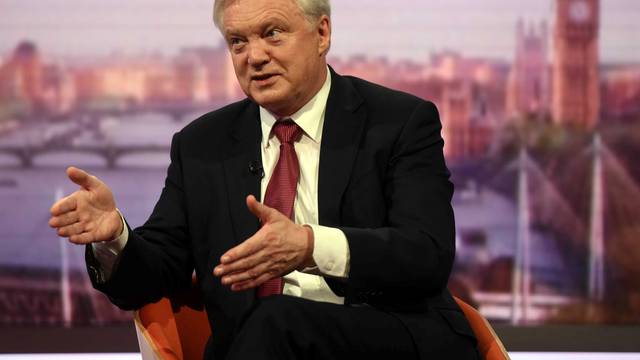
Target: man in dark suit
(350,251)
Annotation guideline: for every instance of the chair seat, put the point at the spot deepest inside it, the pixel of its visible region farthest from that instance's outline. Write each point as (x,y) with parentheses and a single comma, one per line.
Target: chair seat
(173,328)
(178,328)
(489,344)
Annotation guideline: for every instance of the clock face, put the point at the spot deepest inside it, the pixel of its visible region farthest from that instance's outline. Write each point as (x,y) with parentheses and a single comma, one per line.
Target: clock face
(579,11)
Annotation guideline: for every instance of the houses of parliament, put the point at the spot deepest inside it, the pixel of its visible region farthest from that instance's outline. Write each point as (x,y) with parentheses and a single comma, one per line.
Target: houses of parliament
(570,89)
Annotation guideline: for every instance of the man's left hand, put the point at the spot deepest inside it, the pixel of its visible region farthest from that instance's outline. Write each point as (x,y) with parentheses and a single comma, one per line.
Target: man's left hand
(279,247)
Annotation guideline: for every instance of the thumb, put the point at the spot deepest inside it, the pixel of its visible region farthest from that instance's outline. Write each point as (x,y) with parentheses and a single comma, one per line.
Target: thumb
(261,211)
(82,178)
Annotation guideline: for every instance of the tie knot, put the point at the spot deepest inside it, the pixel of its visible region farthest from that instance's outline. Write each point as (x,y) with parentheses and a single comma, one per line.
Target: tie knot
(287,131)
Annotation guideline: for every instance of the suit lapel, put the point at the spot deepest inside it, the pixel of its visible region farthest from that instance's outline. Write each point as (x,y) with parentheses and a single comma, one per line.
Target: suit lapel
(240,179)
(343,125)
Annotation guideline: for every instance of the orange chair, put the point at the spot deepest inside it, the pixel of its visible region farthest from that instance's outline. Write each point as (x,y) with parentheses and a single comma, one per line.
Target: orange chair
(173,328)
(177,328)
(489,344)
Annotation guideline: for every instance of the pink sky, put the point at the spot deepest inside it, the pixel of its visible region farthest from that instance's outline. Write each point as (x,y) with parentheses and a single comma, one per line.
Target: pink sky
(399,29)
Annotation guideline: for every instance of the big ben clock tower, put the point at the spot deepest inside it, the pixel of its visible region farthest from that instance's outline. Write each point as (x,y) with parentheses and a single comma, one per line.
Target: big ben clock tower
(576,84)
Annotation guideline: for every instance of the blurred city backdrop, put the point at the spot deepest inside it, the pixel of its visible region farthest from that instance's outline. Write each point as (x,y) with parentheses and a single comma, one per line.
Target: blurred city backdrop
(539,99)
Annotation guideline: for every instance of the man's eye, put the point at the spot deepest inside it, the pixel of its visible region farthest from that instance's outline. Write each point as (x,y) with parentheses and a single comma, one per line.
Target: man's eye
(235,41)
(274,34)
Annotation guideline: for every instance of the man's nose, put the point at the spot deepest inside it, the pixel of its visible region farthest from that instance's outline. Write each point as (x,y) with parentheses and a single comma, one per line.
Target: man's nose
(258,55)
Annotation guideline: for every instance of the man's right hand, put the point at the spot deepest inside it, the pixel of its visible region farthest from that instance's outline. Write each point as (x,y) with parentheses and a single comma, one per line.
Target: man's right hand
(89,214)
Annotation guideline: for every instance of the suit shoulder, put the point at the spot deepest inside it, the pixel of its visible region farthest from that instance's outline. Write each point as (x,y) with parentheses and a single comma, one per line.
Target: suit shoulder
(219,119)
(376,95)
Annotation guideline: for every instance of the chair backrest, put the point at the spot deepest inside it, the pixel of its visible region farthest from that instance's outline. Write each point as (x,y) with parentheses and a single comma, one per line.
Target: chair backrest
(173,328)
(489,344)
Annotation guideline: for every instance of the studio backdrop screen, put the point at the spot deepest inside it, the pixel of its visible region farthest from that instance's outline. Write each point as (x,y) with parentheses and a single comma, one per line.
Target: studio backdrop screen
(539,101)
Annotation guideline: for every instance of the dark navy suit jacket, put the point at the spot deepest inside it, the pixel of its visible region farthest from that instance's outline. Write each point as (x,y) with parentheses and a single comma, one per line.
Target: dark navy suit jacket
(382,181)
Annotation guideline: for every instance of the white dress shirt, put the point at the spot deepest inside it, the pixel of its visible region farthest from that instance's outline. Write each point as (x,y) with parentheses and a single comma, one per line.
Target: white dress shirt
(331,249)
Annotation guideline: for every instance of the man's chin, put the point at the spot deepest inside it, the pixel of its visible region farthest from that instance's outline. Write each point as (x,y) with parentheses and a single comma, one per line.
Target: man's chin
(271,102)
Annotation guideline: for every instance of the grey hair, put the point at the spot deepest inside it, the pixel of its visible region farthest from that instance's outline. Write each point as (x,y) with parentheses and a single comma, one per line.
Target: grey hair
(313,10)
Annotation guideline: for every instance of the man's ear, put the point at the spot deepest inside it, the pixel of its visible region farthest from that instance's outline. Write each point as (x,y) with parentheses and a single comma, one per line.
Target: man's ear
(324,33)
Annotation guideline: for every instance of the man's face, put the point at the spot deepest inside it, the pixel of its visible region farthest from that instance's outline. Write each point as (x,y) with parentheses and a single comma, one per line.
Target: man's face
(278,56)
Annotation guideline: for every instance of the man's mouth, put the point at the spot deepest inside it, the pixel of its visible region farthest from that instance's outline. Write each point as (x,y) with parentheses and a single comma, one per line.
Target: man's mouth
(262,77)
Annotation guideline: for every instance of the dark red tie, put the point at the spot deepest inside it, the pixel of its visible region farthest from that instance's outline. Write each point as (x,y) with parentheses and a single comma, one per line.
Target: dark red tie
(281,191)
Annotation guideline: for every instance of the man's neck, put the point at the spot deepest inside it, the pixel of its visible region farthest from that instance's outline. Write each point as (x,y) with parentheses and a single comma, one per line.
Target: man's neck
(288,112)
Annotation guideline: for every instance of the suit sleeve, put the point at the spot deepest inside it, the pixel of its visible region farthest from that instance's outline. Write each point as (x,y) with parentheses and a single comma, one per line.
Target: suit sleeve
(156,259)
(411,256)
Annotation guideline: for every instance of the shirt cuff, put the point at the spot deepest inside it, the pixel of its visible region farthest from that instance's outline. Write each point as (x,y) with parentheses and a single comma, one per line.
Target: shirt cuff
(330,252)
(108,252)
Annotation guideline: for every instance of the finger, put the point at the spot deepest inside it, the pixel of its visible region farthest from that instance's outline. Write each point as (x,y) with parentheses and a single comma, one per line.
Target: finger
(84,238)
(82,178)
(261,211)
(250,284)
(64,205)
(249,274)
(73,229)
(240,265)
(64,219)
(247,248)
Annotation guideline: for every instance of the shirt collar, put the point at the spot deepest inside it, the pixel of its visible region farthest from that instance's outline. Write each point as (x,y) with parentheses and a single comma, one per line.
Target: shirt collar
(309,117)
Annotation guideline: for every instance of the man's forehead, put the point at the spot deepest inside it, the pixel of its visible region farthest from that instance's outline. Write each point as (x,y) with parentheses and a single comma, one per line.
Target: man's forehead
(233,7)
(242,14)
(257,24)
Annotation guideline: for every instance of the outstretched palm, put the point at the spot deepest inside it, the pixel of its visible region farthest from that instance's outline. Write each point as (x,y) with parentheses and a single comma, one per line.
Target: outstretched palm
(89,214)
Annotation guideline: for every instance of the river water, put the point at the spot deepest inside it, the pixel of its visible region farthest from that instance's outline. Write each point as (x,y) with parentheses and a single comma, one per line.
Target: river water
(26,194)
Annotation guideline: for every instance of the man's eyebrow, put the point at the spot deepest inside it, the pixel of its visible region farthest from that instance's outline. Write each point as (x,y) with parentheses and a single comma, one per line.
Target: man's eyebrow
(274,21)
(269,22)
(231,32)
